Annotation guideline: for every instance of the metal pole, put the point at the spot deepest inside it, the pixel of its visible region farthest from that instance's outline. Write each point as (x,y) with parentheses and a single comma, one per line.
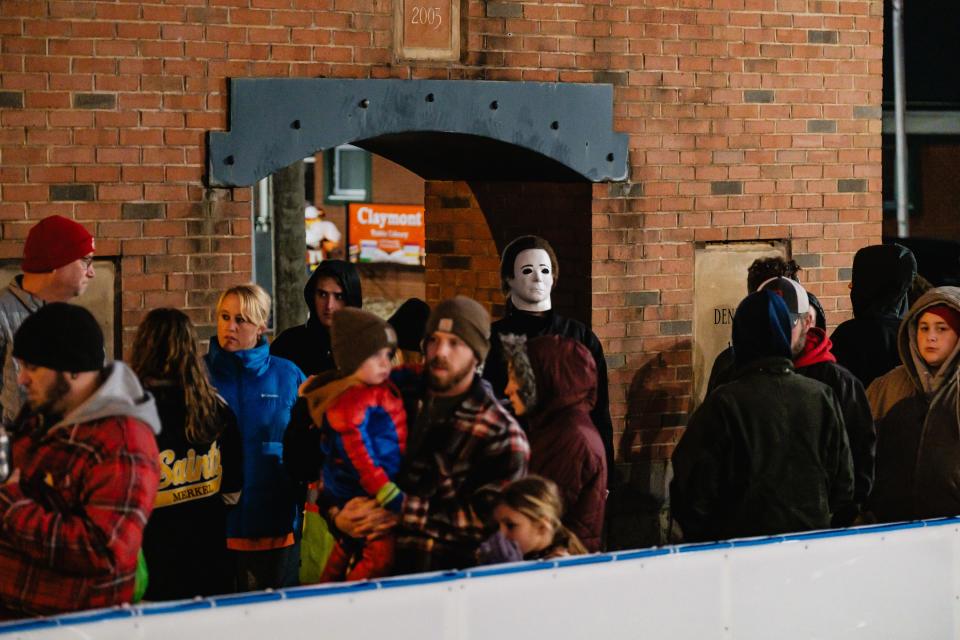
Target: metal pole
(900,108)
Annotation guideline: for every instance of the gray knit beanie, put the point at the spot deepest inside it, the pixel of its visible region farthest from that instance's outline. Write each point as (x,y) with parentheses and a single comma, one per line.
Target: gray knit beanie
(465,318)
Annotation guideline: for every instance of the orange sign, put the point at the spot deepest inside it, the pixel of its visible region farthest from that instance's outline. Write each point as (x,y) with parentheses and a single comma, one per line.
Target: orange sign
(387,233)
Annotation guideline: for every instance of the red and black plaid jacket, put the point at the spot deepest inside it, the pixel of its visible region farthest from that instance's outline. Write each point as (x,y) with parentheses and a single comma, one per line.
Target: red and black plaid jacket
(479,446)
(70,530)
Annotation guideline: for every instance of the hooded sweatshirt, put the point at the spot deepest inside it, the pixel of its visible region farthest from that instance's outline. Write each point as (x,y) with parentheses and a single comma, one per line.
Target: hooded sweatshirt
(867,344)
(551,323)
(308,345)
(564,444)
(917,409)
(767,452)
(72,526)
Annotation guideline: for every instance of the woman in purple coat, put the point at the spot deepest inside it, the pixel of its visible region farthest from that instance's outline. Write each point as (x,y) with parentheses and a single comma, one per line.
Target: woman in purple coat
(552,383)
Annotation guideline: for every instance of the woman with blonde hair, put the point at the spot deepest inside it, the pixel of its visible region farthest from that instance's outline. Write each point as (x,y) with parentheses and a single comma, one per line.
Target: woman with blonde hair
(261,389)
(200,463)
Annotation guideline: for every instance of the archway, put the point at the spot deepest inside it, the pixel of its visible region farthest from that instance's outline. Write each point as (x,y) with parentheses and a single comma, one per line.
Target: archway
(498,158)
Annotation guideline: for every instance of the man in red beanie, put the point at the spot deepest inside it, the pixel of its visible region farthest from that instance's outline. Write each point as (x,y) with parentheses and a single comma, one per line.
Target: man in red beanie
(57,267)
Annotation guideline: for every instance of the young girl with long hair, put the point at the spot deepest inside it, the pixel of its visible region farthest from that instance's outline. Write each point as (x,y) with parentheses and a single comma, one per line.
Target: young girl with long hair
(200,466)
(528,512)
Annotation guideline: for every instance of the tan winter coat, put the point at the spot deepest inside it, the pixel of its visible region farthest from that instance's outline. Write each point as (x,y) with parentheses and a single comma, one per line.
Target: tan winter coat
(917,412)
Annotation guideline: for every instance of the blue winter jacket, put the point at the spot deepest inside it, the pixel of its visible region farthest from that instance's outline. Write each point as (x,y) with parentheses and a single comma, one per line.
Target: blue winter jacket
(261,390)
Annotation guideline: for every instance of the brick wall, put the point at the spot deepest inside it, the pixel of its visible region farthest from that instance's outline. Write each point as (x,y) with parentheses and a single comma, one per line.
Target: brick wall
(936,197)
(748,119)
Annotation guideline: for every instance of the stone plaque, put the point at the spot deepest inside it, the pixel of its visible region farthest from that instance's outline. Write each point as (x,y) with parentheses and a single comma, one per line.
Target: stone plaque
(720,283)
(427,29)
(100,299)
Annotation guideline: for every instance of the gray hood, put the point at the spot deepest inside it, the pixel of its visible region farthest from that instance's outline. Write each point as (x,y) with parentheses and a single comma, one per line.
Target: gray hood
(927,380)
(120,395)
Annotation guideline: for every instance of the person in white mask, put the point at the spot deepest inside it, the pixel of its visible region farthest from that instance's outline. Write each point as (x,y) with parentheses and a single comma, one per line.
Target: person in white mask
(528,273)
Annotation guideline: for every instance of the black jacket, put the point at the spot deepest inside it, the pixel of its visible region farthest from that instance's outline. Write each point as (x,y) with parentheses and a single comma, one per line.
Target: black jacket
(553,324)
(308,345)
(184,542)
(867,344)
(857,420)
(858,423)
(766,453)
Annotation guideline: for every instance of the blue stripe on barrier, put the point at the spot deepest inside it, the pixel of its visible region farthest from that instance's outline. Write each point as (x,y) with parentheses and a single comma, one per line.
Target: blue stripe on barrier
(757,542)
(419,579)
(330,589)
(179,606)
(247,598)
(703,546)
(100,615)
(594,558)
(513,567)
(28,625)
(642,553)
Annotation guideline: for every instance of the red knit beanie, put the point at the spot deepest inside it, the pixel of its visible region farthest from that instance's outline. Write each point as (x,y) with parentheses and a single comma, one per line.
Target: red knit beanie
(54,242)
(948,314)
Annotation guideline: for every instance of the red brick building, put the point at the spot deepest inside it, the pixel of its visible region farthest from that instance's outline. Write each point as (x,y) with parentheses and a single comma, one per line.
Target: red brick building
(747,120)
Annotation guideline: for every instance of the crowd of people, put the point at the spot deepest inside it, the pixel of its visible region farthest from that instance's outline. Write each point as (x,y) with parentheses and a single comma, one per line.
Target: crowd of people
(353,447)
(347,448)
(801,431)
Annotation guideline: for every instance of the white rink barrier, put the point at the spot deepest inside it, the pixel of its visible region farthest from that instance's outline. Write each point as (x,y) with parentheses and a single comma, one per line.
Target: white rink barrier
(890,581)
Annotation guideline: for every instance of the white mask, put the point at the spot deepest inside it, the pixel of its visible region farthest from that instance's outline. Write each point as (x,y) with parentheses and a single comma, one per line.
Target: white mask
(532,281)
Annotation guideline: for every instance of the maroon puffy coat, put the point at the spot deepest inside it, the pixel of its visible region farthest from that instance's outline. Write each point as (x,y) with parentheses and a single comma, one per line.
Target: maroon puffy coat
(564,443)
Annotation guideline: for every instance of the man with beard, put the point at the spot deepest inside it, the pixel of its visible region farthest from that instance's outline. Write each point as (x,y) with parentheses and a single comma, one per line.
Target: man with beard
(85,475)
(461,444)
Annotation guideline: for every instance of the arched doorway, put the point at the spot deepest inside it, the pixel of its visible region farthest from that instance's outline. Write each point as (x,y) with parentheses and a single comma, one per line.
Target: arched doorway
(499,159)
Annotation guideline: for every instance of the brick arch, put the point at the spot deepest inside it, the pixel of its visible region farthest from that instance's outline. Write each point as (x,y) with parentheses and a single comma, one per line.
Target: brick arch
(555,131)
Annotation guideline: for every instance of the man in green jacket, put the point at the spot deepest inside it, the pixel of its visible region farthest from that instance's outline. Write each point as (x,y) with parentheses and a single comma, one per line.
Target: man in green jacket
(766,453)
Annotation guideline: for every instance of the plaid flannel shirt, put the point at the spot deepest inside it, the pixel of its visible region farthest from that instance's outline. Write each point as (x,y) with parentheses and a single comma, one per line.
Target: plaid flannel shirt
(479,446)
(71,528)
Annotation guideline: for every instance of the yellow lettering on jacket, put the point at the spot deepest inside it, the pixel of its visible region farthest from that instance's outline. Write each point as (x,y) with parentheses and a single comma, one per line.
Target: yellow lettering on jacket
(201,473)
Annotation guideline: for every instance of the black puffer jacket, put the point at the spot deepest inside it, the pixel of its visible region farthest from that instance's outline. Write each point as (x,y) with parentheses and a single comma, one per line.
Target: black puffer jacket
(767,452)
(308,346)
(917,410)
(867,344)
(553,324)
